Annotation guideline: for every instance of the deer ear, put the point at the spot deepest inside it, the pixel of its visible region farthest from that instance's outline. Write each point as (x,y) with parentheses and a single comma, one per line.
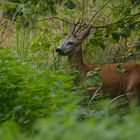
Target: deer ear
(85,33)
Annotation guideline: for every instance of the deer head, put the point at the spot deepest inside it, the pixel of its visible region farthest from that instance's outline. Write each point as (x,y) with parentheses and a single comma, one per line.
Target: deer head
(72,43)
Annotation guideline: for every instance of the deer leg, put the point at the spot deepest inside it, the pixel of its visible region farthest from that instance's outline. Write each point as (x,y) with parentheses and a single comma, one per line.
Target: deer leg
(130,93)
(133,87)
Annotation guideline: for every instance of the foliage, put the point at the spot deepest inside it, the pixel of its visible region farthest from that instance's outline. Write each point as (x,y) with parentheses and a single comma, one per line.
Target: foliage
(66,126)
(94,128)
(36,85)
(116,22)
(26,93)
(25,11)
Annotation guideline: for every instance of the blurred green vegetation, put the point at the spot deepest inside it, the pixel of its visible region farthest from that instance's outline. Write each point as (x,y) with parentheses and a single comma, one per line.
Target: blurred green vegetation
(27,93)
(38,98)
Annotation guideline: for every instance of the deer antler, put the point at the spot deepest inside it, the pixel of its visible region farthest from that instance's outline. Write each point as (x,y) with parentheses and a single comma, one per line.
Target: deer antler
(78,29)
(74,27)
(80,25)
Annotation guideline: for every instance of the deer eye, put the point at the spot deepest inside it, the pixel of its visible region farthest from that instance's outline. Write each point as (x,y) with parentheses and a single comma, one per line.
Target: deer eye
(70,43)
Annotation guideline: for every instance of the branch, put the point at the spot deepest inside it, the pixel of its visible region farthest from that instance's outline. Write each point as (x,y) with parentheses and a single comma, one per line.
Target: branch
(93,26)
(58,18)
(98,11)
(121,20)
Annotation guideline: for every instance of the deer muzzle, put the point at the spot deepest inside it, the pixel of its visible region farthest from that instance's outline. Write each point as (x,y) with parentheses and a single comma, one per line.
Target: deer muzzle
(59,51)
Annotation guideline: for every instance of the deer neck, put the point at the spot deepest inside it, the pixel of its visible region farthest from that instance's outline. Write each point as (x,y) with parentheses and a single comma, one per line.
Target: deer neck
(76,61)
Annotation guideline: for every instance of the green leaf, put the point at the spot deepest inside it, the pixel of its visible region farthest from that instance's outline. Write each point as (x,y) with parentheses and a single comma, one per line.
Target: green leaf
(115,37)
(4,7)
(103,46)
(70,4)
(11,5)
(120,68)
(137,45)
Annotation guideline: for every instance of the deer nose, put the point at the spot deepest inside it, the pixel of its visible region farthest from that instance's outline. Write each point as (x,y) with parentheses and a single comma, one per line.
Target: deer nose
(59,51)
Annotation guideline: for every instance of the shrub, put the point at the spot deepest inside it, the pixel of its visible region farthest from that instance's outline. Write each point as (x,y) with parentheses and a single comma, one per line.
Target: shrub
(27,93)
(65,126)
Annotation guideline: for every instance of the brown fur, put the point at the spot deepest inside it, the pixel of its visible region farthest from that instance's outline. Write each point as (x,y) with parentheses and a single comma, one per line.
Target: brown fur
(116,82)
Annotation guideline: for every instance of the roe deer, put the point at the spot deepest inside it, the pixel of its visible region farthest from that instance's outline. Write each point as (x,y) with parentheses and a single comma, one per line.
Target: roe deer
(114,82)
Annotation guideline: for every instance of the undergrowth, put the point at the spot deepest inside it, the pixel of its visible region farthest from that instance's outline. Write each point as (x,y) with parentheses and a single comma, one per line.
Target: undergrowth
(44,104)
